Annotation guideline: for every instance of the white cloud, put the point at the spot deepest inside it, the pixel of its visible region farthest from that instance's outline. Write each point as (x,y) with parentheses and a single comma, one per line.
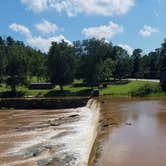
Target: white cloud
(45,43)
(46,27)
(38,42)
(21,29)
(73,7)
(103,31)
(127,48)
(147,31)
(36,5)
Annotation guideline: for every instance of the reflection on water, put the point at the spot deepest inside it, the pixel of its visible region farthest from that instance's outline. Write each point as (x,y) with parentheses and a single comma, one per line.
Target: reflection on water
(139,136)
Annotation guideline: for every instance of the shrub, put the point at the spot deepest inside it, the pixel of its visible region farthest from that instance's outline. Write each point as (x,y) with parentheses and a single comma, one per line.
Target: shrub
(145,90)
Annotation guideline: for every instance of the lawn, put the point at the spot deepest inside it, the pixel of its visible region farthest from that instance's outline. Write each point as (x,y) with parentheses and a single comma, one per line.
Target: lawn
(126,89)
(69,90)
(79,89)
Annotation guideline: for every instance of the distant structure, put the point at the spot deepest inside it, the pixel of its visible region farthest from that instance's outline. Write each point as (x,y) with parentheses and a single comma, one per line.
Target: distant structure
(163,78)
(41,85)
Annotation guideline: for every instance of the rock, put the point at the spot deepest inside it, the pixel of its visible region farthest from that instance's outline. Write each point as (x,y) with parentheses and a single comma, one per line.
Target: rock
(129,124)
(72,116)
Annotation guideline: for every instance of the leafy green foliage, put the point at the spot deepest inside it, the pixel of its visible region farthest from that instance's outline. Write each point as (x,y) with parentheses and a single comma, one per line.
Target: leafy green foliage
(94,61)
(61,64)
(16,67)
(145,90)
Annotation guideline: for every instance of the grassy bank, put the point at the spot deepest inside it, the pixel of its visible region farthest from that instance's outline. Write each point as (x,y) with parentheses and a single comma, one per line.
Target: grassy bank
(69,90)
(133,88)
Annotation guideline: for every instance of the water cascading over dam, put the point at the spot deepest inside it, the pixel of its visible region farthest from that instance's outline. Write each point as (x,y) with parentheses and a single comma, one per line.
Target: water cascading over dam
(48,137)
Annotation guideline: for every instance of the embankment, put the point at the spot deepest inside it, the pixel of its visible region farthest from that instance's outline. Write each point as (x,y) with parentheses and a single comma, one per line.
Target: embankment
(43,103)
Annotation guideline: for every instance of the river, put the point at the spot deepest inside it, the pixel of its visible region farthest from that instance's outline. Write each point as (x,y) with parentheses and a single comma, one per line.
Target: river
(48,137)
(132,132)
(135,133)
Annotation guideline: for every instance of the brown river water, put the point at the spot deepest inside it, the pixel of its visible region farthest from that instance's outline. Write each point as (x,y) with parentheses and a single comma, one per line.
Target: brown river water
(132,133)
(135,133)
(48,137)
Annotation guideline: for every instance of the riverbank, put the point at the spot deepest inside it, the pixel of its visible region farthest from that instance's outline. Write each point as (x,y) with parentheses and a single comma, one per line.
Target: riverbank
(48,137)
(43,103)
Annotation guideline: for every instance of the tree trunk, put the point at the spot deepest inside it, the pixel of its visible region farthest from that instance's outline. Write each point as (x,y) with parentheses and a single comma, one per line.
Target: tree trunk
(61,87)
(13,90)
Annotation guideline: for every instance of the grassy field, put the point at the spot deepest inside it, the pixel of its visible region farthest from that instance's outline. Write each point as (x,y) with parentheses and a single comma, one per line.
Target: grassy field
(134,88)
(69,90)
(127,89)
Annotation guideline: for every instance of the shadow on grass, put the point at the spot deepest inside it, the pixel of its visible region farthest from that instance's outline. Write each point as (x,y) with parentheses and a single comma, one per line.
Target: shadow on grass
(58,93)
(79,84)
(8,94)
(118,82)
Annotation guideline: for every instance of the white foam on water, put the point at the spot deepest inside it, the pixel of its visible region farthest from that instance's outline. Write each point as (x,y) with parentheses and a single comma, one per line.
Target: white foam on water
(76,142)
(82,141)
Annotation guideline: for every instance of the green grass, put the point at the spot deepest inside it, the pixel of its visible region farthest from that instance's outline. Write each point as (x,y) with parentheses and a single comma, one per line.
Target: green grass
(126,89)
(157,94)
(82,90)
(69,90)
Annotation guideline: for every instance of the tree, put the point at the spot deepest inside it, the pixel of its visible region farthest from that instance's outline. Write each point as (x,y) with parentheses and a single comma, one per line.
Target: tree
(36,64)
(2,59)
(16,67)
(61,64)
(106,70)
(95,53)
(136,57)
(163,55)
(122,59)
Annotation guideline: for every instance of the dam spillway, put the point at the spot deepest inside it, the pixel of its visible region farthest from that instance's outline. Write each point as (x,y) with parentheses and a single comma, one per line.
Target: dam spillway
(48,137)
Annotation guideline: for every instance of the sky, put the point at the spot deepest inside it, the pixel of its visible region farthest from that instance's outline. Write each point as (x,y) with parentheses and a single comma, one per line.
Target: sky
(130,24)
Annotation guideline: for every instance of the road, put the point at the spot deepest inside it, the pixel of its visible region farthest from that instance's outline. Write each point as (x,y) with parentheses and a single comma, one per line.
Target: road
(149,80)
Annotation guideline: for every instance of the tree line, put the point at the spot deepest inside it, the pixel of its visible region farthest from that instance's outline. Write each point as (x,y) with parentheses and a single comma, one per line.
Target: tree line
(95,61)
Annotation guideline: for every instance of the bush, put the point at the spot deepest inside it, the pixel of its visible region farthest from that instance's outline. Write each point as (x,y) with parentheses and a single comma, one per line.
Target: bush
(145,90)
(58,93)
(8,94)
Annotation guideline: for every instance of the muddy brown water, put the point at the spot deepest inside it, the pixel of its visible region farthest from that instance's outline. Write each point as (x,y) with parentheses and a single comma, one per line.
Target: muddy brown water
(135,133)
(47,137)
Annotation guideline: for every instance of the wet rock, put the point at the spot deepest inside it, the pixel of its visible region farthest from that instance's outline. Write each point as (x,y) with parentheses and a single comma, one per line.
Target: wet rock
(34,151)
(112,124)
(42,163)
(73,116)
(54,124)
(106,125)
(63,160)
(128,124)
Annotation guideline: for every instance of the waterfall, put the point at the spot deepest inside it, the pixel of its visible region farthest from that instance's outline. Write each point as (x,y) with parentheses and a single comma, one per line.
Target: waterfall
(57,137)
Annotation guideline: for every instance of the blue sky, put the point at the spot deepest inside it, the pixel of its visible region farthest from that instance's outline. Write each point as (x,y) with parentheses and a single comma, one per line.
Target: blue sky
(128,23)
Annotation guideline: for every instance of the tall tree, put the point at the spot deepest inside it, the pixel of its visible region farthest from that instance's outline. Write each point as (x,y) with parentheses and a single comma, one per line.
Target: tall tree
(61,63)
(16,67)
(95,53)
(2,59)
(122,67)
(106,70)
(163,55)
(136,57)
